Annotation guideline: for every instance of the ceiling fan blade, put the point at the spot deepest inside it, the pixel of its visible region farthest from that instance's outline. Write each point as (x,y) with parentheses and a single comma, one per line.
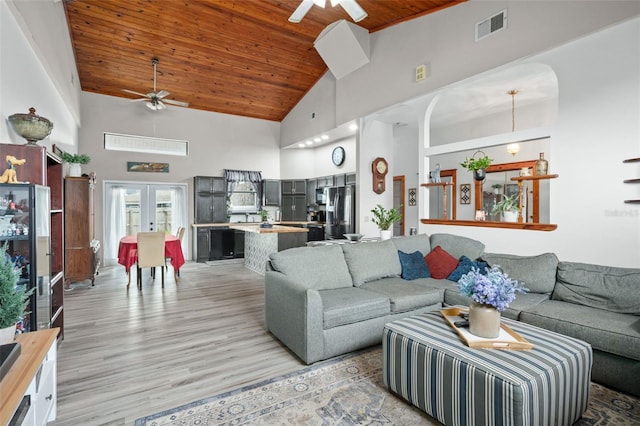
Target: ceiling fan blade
(161,105)
(301,11)
(178,103)
(354,10)
(161,94)
(138,100)
(133,93)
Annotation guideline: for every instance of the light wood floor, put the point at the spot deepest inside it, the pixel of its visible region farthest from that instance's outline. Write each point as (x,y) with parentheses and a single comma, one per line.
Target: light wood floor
(128,354)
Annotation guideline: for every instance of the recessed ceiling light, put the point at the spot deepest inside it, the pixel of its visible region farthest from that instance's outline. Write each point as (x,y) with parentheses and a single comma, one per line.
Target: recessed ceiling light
(325,137)
(353,127)
(301,145)
(317,139)
(308,142)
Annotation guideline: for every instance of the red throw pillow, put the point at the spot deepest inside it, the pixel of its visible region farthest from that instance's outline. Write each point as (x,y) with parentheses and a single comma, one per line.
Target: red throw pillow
(441,264)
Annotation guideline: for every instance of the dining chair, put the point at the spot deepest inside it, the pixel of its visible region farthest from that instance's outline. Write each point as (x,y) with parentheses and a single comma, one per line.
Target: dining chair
(179,235)
(150,254)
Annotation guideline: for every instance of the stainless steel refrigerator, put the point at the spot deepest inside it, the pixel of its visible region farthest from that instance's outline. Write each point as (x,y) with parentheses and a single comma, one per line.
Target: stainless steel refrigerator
(341,211)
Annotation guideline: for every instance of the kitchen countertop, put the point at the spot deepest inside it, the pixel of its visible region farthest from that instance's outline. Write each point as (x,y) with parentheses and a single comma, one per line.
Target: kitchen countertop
(276,229)
(242,224)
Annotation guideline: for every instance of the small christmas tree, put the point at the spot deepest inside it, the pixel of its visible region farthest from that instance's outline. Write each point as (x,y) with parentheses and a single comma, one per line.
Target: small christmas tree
(13,299)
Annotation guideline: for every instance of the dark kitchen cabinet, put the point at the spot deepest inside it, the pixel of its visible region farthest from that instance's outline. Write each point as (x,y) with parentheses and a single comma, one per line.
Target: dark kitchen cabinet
(312,184)
(271,192)
(210,199)
(294,208)
(217,243)
(294,187)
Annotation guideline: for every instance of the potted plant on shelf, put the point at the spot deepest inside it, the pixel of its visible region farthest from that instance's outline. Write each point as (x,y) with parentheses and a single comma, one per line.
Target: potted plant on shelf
(384,218)
(477,165)
(491,292)
(75,160)
(509,206)
(15,299)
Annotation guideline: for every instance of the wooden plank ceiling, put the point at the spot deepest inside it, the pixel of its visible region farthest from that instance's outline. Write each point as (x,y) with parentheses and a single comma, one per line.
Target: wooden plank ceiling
(237,57)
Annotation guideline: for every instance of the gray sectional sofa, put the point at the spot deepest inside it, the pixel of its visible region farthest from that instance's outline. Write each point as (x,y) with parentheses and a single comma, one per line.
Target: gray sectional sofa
(329,300)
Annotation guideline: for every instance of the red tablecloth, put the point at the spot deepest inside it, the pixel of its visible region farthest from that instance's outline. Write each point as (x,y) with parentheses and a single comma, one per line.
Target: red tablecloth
(127,251)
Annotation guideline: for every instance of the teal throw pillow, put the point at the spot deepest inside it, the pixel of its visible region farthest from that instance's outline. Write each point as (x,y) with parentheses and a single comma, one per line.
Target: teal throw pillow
(464,267)
(413,265)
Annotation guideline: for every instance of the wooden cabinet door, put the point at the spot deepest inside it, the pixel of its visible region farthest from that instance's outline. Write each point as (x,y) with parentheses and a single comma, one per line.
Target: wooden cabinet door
(204,208)
(202,244)
(300,208)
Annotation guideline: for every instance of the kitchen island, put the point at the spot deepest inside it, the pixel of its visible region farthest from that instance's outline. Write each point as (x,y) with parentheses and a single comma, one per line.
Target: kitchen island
(259,242)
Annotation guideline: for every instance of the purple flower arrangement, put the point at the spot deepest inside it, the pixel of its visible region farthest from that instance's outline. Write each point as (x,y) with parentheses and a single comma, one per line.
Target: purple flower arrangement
(493,287)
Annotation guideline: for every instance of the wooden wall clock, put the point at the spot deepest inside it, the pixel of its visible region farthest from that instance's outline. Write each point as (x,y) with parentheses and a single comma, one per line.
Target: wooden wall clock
(379,167)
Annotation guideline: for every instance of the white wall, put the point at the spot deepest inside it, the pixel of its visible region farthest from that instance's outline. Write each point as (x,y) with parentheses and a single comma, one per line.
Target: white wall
(216,141)
(25,82)
(445,41)
(306,163)
(597,128)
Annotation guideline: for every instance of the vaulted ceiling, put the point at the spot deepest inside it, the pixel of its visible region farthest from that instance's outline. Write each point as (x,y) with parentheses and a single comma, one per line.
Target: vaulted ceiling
(238,57)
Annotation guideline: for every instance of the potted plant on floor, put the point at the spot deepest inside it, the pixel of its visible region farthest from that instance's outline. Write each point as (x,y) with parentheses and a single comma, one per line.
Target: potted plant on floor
(384,218)
(477,165)
(75,160)
(14,299)
(509,207)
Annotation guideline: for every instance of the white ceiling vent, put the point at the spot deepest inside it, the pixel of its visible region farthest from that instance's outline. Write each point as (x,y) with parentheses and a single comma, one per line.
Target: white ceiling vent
(491,25)
(118,142)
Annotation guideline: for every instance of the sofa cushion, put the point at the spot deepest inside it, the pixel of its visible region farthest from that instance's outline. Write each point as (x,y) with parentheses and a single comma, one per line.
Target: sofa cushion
(404,296)
(343,306)
(465,265)
(604,287)
(441,263)
(371,261)
(411,243)
(308,265)
(605,330)
(458,246)
(413,265)
(538,273)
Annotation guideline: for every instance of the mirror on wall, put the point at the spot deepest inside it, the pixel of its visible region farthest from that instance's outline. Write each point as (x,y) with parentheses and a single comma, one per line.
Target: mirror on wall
(472,196)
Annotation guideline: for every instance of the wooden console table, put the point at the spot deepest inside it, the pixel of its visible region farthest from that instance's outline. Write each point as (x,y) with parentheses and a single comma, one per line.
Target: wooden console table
(38,352)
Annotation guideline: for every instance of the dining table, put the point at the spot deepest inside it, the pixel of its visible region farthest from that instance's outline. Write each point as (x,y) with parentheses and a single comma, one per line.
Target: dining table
(128,252)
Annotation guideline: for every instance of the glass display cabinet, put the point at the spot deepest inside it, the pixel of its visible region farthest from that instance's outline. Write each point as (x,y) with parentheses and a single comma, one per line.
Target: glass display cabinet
(25,229)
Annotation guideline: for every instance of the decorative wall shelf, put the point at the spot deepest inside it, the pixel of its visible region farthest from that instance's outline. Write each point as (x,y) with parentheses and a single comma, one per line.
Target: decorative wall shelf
(520,180)
(444,185)
(491,224)
(637,180)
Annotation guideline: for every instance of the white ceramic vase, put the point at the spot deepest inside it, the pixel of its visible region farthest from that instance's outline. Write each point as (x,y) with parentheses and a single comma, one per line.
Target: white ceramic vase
(385,234)
(75,170)
(7,335)
(484,320)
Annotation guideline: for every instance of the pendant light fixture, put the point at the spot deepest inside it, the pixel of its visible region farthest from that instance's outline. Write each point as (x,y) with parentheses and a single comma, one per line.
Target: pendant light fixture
(513,148)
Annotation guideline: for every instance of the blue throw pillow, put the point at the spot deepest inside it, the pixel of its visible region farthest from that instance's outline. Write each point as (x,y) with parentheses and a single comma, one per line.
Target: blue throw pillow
(413,265)
(465,265)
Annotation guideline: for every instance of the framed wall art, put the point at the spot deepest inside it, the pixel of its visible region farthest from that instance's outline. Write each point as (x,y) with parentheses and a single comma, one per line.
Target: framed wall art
(136,166)
(465,193)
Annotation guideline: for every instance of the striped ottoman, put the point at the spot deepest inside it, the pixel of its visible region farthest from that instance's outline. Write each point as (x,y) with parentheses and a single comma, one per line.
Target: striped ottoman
(426,363)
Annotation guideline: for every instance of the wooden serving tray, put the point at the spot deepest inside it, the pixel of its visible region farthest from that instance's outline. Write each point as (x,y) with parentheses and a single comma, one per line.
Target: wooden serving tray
(508,339)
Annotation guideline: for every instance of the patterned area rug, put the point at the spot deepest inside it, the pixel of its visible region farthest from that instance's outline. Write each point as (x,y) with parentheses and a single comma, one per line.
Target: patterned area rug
(347,390)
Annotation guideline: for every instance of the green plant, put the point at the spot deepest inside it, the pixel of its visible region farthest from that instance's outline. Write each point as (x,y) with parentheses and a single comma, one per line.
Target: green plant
(508,203)
(384,218)
(473,164)
(13,300)
(264,215)
(76,158)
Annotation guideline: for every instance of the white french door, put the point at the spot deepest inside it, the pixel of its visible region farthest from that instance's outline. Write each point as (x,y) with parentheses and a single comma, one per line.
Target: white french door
(132,207)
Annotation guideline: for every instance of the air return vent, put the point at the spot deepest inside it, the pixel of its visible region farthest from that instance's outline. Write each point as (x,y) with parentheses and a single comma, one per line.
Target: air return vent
(117,142)
(491,25)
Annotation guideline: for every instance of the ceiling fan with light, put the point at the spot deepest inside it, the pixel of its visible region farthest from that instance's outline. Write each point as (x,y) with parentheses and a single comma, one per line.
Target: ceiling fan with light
(352,7)
(155,100)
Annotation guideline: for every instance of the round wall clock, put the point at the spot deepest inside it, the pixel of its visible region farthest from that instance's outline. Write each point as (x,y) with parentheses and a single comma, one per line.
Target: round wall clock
(337,156)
